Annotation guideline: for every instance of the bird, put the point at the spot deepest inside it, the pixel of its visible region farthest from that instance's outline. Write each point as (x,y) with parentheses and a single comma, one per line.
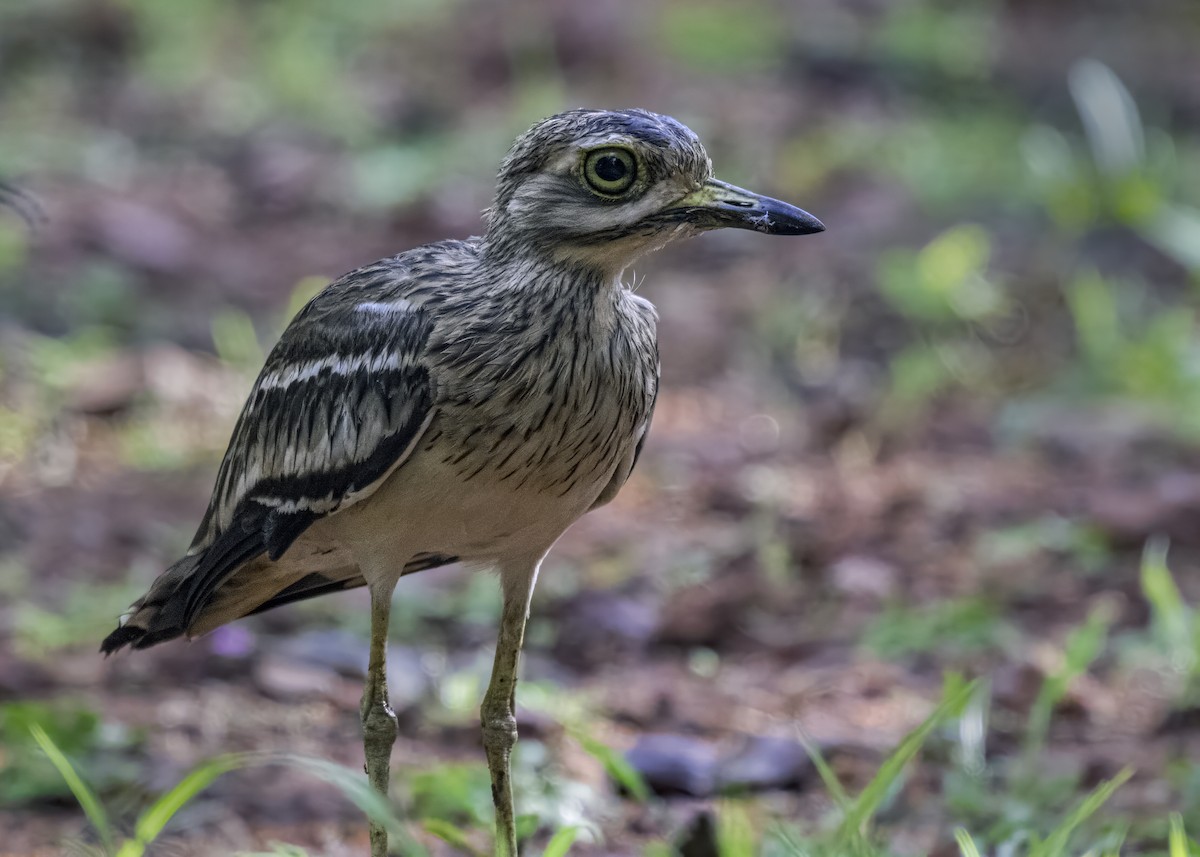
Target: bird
(465,401)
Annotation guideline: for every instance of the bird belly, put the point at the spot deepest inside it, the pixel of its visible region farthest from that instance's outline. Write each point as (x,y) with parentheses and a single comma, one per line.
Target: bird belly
(481,515)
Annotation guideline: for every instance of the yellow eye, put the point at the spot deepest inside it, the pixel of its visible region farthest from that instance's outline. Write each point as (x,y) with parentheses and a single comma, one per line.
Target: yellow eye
(610,172)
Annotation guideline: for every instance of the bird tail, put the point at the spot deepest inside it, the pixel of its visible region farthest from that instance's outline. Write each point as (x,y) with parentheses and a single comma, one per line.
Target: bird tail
(159,614)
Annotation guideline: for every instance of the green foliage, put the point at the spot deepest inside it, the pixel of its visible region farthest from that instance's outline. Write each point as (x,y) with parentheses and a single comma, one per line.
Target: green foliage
(1085,544)
(1172,642)
(236,340)
(19,431)
(101,297)
(150,822)
(1022,810)
(452,801)
(857,817)
(396,174)
(1015,803)
(451,835)
(1124,174)
(736,831)
(1083,646)
(1132,352)
(1056,842)
(942,290)
(460,794)
(278,849)
(958,39)
(76,730)
(299,68)
(945,281)
(1030,823)
(1174,623)
(721,37)
(85,615)
(577,721)
(145,446)
(964,626)
(851,833)
(560,843)
(1178,843)
(54,363)
(615,765)
(14,245)
(83,793)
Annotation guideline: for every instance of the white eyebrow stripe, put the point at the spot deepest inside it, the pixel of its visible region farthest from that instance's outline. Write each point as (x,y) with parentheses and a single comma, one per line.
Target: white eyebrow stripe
(401,305)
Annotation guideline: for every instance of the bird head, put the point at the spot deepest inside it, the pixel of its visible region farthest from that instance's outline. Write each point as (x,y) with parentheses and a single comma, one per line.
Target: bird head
(603,187)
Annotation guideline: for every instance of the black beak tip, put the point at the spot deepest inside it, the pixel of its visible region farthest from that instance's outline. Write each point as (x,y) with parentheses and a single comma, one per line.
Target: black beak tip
(810,227)
(789,220)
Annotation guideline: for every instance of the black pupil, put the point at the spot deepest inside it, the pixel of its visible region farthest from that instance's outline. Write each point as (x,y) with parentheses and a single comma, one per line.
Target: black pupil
(610,168)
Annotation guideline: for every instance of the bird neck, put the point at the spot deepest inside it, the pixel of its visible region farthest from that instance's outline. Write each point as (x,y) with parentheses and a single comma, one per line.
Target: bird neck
(548,271)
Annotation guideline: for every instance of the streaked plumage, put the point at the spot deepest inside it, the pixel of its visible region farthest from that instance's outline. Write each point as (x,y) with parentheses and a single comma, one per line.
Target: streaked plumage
(463,401)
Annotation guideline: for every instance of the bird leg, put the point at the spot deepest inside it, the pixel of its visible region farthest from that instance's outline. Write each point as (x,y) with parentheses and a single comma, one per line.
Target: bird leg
(378,719)
(498,711)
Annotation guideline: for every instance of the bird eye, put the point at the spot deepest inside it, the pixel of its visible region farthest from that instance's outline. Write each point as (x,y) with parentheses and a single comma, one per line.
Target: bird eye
(610,172)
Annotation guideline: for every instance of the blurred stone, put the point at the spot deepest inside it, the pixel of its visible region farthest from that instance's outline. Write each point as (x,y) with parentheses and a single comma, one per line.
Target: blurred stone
(334,652)
(597,628)
(289,680)
(20,679)
(1168,507)
(675,764)
(762,763)
(108,386)
(861,576)
(1179,721)
(144,237)
(334,649)
(1016,685)
(707,614)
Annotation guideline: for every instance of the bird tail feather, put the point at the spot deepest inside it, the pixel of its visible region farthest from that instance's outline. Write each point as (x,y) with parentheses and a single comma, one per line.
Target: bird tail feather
(159,614)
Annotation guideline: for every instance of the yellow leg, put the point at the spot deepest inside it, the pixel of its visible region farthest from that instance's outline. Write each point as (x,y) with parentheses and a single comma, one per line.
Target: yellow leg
(378,719)
(499,703)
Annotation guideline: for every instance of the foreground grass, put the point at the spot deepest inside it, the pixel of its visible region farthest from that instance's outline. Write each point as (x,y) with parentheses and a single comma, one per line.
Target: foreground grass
(1006,806)
(851,829)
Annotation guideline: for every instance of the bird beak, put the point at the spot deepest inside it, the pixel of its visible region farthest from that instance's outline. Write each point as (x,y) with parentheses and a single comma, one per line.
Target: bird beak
(717,205)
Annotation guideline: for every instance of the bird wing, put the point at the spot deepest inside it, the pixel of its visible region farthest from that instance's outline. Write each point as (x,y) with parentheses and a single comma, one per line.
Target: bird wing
(340,403)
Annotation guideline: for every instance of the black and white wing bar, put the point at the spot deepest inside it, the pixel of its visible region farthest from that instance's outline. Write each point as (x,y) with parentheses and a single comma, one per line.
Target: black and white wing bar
(341,402)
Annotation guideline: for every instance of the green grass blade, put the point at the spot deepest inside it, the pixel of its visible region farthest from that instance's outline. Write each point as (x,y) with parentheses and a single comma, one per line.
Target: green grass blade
(83,794)
(1177,844)
(355,787)
(735,831)
(1055,845)
(833,785)
(450,834)
(1172,617)
(151,822)
(615,765)
(966,845)
(560,843)
(1083,645)
(869,800)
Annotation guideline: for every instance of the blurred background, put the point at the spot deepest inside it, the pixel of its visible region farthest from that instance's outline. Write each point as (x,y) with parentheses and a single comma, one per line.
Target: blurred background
(955,437)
